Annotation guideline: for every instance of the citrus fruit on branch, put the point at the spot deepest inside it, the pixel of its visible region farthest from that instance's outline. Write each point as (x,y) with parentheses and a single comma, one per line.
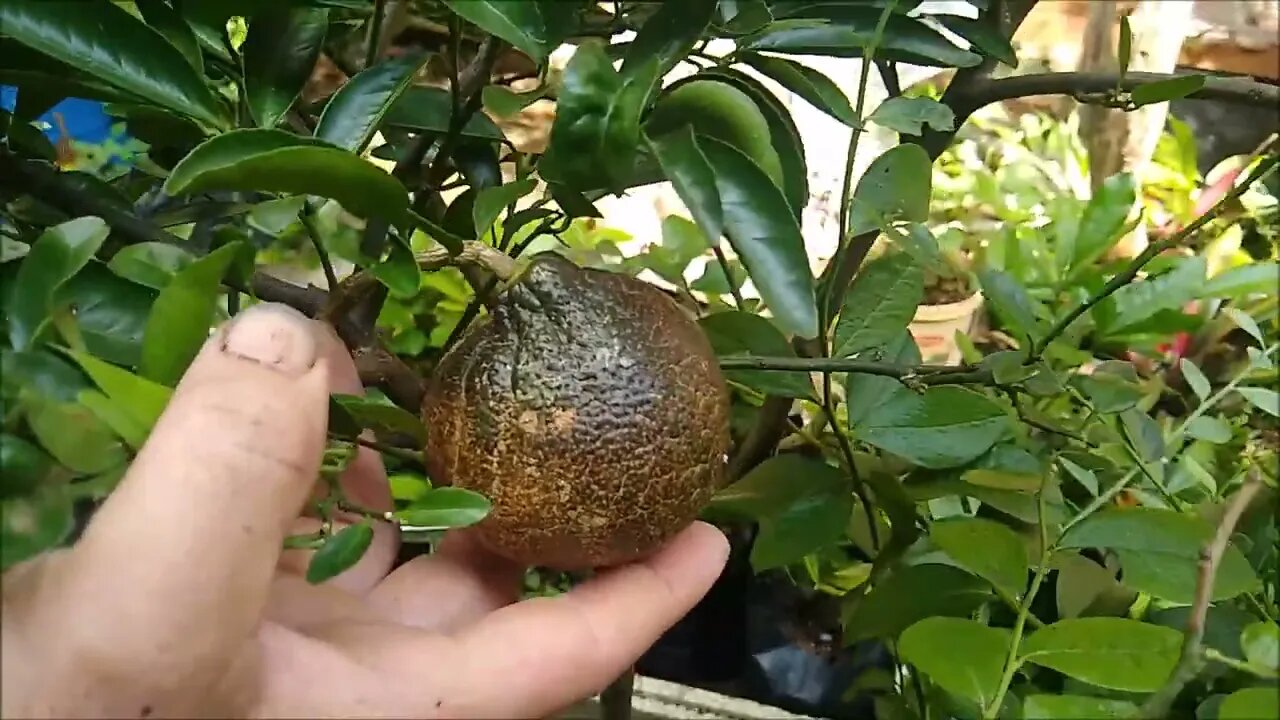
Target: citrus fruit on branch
(589,408)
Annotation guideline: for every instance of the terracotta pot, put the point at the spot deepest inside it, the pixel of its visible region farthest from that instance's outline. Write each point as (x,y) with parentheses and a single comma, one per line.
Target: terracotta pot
(934,328)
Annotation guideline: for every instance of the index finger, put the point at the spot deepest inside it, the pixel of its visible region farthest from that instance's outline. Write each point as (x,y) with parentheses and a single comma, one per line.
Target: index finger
(179,558)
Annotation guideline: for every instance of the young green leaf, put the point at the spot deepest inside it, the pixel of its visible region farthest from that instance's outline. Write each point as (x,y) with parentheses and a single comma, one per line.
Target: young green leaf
(115,416)
(960,655)
(693,178)
(277,161)
(909,115)
(1209,429)
(1165,90)
(1115,653)
(740,333)
(445,507)
(407,487)
(910,594)
(896,186)
(280,52)
(57,255)
(853,29)
(943,427)
(1195,378)
(1076,707)
(142,399)
(817,89)
(492,201)
(880,303)
(354,113)
(1265,399)
(399,272)
(519,23)
(340,552)
(1250,704)
(104,41)
(669,34)
(150,263)
(179,322)
(987,549)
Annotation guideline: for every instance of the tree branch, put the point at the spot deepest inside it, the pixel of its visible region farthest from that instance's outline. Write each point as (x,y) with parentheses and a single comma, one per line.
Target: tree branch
(1191,660)
(911,374)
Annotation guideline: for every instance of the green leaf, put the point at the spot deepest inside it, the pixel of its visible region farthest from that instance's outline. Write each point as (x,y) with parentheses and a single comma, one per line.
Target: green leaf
(815,88)
(1265,399)
(880,303)
(340,552)
(1252,703)
(896,186)
(381,416)
(867,392)
(33,524)
(597,124)
(1143,434)
(42,373)
(57,255)
(152,264)
(783,134)
(277,161)
(1159,549)
(803,527)
(179,323)
(943,427)
(984,34)
(25,466)
(1166,90)
(141,399)
(1103,221)
(1076,707)
(106,42)
(1114,653)
(111,312)
(169,23)
(1261,644)
(1139,301)
(1084,587)
(766,237)
(428,108)
(354,113)
(848,35)
(519,23)
(669,34)
(399,272)
(407,487)
(445,507)
(1257,278)
(1011,302)
(1196,379)
(987,549)
(734,332)
(913,593)
(1112,387)
(1124,53)
(74,436)
(490,202)
(909,116)
(693,178)
(719,110)
(121,423)
(962,656)
(502,102)
(1209,429)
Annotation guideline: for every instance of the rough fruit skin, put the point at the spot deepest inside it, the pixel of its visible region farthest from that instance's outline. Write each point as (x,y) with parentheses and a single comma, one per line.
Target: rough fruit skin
(589,408)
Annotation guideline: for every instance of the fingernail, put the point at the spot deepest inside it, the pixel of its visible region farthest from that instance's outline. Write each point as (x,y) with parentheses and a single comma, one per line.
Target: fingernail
(274,335)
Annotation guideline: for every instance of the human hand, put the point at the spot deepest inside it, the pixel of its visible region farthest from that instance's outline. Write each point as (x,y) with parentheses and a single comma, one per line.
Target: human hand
(178,600)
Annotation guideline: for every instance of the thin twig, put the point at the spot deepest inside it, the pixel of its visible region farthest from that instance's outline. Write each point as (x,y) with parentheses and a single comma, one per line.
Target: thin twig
(911,374)
(374,47)
(728,276)
(1127,275)
(1191,661)
(395,452)
(308,223)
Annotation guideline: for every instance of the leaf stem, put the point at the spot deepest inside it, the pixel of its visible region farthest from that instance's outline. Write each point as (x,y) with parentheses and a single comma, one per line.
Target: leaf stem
(1260,671)
(1013,662)
(724,265)
(1131,271)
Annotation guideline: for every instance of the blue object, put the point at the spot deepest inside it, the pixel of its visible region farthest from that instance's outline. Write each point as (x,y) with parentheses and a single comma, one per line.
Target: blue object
(97,138)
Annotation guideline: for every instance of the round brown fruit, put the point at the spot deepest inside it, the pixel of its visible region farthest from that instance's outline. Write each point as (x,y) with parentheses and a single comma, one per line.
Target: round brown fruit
(589,408)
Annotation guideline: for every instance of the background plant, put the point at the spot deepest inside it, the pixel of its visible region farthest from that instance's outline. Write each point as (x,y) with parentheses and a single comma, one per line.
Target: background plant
(1073,522)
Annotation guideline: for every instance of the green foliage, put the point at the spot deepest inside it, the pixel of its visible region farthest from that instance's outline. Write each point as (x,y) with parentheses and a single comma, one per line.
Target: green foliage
(1022,530)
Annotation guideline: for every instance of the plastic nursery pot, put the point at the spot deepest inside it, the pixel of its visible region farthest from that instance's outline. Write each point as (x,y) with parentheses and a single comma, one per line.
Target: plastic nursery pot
(934,328)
